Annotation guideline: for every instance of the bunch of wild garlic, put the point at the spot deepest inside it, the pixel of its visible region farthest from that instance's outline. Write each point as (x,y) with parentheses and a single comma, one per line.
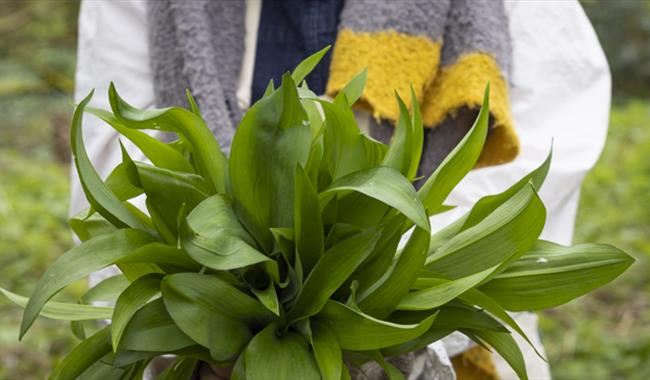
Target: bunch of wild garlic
(284,260)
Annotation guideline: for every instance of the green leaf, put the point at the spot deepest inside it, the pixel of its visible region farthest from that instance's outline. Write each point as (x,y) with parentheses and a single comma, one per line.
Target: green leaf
(161,254)
(331,271)
(97,193)
(88,224)
(83,356)
(380,260)
(203,320)
(308,64)
(383,296)
(79,262)
(480,299)
(357,331)
(212,236)
(439,291)
(192,103)
(206,153)
(344,146)
(152,329)
(132,299)
(418,136)
(107,290)
(211,312)
(506,346)
(281,355)
(458,162)
(63,311)
(182,368)
(504,235)
(326,351)
(400,151)
(388,186)
(167,191)
(271,140)
(308,222)
(550,275)
(354,88)
(160,154)
(488,204)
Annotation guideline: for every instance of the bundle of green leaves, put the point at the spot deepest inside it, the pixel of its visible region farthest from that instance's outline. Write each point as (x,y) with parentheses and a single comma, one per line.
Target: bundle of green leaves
(285,259)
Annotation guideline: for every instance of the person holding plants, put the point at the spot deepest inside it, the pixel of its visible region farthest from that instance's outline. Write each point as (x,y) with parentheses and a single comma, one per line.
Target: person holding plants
(549,82)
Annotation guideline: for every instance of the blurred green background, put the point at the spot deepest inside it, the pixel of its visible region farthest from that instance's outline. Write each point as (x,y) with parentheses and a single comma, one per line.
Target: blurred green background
(605,335)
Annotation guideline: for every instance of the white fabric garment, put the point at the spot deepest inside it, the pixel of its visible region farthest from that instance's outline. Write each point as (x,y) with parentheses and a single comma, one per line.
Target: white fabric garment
(560,92)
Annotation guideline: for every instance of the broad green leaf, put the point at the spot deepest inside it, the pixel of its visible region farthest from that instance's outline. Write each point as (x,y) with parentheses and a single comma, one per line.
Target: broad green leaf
(506,346)
(388,186)
(97,193)
(271,140)
(167,191)
(89,224)
(381,258)
(467,318)
(480,299)
(161,254)
(308,222)
(152,329)
(488,204)
(550,275)
(326,351)
(132,299)
(211,312)
(63,311)
(344,146)
(453,316)
(107,290)
(354,88)
(504,235)
(401,147)
(118,182)
(206,153)
(160,154)
(283,355)
(79,262)
(212,236)
(218,295)
(383,296)
(103,369)
(357,331)
(308,64)
(83,356)
(458,162)
(262,286)
(375,150)
(331,271)
(439,291)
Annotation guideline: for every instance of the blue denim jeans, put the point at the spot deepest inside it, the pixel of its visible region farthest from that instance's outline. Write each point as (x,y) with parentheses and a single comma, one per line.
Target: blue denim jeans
(289,31)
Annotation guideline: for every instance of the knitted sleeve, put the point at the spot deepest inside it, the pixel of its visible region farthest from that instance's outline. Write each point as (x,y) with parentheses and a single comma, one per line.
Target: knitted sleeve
(448,50)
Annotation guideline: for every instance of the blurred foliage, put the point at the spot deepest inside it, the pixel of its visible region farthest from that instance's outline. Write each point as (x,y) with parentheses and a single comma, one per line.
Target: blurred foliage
(605,335)
(37,50)
(623,27)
